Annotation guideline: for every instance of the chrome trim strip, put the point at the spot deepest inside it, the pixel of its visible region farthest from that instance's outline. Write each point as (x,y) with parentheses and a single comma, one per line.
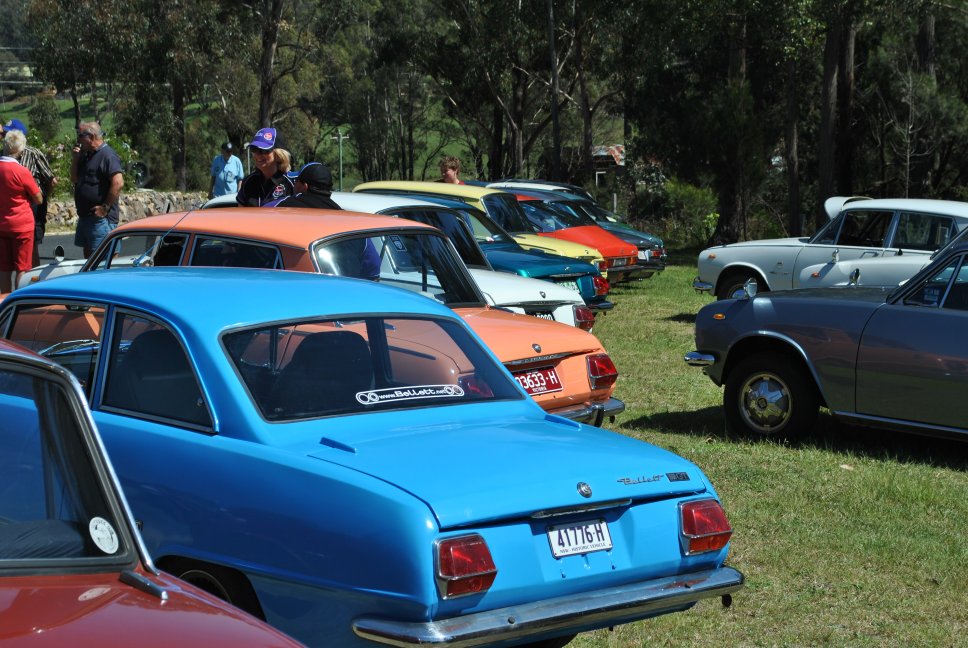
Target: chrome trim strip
(696,359)
(562,615)
(575,510)
(542,358)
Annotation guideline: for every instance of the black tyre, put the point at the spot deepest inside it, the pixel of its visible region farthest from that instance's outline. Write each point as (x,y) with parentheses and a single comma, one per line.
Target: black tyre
(731,285)
(139,172)
(227,584)
(770,395)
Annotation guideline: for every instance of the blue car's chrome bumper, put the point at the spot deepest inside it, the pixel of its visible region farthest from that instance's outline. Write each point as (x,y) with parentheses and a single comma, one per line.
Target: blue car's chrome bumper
(557,616)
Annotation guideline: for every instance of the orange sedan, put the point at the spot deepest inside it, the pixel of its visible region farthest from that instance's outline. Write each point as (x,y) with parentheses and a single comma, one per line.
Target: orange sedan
(564,369)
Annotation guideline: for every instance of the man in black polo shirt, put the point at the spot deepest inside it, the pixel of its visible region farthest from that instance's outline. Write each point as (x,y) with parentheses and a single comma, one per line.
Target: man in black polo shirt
(97,176)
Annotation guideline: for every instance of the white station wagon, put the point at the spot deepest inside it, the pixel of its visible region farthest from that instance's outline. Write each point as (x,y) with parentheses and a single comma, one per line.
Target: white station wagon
(859,228)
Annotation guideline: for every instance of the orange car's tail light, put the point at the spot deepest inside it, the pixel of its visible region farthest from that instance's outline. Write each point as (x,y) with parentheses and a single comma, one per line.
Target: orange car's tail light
(464,566)
(602,265)
(704,526)
(601,371)
(475,386)
(601,285)
(584,318)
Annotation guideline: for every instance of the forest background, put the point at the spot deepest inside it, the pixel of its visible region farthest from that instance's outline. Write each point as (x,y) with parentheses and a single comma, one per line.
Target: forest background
(737,117)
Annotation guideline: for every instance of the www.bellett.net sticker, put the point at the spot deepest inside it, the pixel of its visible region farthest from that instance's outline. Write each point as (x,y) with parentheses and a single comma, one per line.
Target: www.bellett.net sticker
(374,396)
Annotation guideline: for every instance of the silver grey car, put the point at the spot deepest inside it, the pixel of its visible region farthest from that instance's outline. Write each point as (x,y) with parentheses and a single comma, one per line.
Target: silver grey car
(883,357)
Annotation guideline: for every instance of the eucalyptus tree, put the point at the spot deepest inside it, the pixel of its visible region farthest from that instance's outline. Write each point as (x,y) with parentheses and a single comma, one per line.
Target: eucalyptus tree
(913,101)
(704,97)
(80,43)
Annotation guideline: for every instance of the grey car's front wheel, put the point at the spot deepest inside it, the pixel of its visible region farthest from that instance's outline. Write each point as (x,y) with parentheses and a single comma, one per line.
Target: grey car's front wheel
(770,395)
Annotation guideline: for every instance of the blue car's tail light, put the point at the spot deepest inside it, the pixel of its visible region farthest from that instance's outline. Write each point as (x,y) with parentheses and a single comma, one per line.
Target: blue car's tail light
(464,566)
(704,526)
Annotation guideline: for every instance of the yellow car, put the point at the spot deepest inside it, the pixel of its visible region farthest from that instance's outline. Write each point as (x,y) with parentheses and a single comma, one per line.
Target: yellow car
(501,206)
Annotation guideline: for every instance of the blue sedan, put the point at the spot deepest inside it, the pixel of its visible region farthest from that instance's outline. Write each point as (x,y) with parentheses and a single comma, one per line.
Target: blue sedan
(357,474)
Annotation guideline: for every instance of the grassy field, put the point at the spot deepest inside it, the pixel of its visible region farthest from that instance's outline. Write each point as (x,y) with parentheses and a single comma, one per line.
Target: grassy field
(849,537)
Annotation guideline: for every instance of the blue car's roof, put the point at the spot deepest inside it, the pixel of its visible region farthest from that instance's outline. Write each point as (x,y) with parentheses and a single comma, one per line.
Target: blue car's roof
(212,299)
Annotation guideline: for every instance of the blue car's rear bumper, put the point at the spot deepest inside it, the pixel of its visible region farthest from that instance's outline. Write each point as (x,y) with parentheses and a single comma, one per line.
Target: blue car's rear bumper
(558,616)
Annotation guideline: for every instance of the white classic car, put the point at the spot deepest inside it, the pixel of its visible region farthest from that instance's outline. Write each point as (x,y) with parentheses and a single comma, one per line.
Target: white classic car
(858,229)
(872,271)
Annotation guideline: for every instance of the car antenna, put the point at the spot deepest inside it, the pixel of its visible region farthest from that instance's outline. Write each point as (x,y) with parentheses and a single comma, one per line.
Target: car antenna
(150,251)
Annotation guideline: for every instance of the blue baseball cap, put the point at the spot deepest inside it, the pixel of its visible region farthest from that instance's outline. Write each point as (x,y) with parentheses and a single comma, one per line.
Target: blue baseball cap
(16,124)
(265,139)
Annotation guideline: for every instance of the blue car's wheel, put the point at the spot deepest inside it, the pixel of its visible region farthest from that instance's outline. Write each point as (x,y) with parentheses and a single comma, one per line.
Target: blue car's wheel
(770,395)
(227,584)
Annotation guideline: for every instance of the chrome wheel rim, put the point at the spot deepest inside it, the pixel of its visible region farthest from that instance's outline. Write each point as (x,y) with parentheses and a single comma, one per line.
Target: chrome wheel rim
(765,403)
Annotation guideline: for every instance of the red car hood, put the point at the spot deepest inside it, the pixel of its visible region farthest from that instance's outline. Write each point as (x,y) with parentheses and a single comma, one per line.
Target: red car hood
(98,610)
(593,235)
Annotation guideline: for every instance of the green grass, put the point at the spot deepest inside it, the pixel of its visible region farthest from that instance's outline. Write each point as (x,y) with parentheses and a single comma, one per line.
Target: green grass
(849,537)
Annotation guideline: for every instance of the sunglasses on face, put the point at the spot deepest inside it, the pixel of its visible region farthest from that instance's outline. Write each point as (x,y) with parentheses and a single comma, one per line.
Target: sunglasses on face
(84,135)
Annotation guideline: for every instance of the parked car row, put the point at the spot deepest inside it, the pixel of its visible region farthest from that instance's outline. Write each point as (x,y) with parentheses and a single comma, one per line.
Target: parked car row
(343,424)
(873,334)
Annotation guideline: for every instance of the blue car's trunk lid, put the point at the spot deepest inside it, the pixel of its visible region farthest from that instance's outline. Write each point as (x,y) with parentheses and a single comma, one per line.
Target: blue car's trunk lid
(474,473)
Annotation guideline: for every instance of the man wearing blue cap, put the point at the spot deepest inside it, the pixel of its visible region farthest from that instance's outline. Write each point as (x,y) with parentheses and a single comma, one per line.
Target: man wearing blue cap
(269,180)
(36,162)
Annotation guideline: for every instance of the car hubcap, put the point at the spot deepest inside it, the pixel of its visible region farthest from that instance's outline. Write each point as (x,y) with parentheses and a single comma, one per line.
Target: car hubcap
(765,403)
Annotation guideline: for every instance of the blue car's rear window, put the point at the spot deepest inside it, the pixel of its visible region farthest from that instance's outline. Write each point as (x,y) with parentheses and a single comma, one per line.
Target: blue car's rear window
(332,367)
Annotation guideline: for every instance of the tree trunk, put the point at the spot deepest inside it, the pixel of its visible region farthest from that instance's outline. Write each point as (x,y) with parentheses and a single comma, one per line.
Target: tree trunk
(518,88)
(77,106)
(828,120)
(584,102)
(926,44)
(94,103)
(846,142)
(411,144)
(270,40)
(497,149)
(178,112)
(791,155)
(732,184)
(555,123)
